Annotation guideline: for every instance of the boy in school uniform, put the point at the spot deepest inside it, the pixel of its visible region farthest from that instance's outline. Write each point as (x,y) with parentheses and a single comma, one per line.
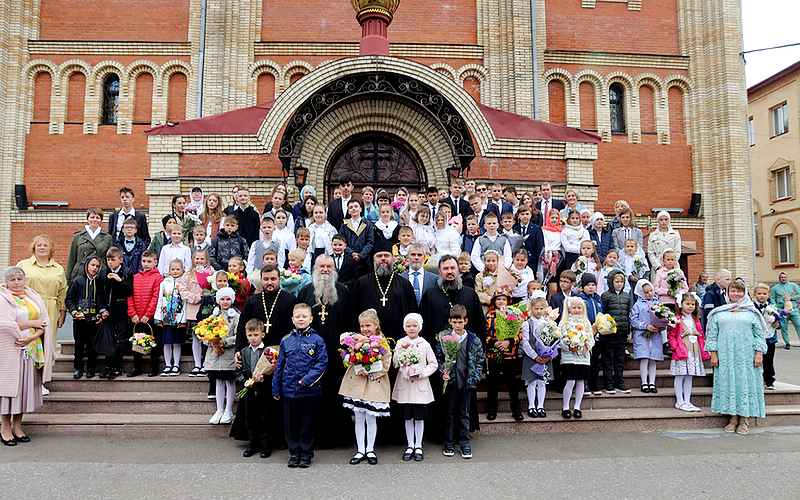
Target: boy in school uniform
(251,421)
(132,247)
(343,261)
(227,244)
(199,239)
(119,285)
(247,219)
(514,239)
(256,254)
(85,302)
(302,361)
(491,239)
(461,379)
(142,307)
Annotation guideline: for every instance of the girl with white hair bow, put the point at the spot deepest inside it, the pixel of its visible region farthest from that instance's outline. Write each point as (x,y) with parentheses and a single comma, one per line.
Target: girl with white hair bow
(219,362)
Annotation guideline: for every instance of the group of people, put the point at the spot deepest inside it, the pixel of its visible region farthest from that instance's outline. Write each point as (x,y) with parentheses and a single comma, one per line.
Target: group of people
(385,305)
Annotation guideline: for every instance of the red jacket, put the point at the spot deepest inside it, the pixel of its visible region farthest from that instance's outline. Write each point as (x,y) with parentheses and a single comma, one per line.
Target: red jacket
(145,293)
(679,352)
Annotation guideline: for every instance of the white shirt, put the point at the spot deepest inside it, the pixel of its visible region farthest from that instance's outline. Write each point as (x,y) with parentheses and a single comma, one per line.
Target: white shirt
(122,216)
(419,278)
(321,236)
(92,233)
(344,202)
(521,291)
(477,253)
(171,252)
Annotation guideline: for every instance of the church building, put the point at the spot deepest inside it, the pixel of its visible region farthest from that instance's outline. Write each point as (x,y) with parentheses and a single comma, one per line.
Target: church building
(642,100)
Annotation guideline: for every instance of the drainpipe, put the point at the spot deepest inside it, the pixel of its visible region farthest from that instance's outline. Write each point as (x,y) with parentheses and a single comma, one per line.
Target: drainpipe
(201,59)
(534,61)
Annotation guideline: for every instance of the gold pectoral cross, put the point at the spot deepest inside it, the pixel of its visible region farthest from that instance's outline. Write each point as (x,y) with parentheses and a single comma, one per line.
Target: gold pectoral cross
(323,314)
(267,326)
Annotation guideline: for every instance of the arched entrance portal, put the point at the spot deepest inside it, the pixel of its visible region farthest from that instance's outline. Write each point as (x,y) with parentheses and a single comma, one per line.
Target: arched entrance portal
(375,159)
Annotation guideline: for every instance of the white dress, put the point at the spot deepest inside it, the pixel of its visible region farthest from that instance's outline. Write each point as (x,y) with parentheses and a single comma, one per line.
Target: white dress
(448,242)
(693,364)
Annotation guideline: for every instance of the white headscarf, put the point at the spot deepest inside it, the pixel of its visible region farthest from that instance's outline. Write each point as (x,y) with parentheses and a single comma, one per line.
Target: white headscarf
(225,292)
(745,304)
(595,217)
(669,219)
(413,317)
(639,290)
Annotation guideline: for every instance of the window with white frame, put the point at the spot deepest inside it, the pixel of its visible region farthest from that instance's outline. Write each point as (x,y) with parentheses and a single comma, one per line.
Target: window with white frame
(751,134)
(785,250)
(783,184)
(779,118)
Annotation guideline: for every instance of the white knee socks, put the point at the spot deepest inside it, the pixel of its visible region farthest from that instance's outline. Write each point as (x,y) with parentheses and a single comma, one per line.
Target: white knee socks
(167,355)
(530,389)
(410,433)
(197,352)
(647,371)
(579,389)
(372,431)
(687,389)
(579,386)
(360,422)
(568,387)
(176,355)
(419,430)
(678,384)
(220,395)
(230,393)
(541,391)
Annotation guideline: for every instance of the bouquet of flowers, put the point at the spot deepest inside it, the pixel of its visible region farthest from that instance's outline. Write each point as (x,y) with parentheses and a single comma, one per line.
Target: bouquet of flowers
(548,343)
(400,264)
(773,315)
(212,331)
(290,278)
(605,324)
(674,281)
(638,265)
(408,357)
(142,342)
(576,337)
(450,346)
(397,205)
(235,282)
(550,334)
(264,367)
(664,314)
(580,266)
(507,325)
(366,354)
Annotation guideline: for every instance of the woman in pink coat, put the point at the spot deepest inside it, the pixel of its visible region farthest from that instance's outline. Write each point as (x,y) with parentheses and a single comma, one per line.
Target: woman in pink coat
(23,320)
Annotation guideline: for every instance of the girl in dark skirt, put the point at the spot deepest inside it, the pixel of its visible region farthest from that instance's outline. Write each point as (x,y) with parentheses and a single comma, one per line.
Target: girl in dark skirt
(219,362)
(415,361)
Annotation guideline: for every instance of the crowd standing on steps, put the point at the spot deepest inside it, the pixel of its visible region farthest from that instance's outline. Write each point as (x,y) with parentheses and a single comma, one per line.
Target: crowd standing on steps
(381,313)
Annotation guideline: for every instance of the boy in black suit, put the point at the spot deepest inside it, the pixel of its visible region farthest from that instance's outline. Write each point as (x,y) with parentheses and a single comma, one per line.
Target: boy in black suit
(251,418)
(132,247)
(337,208)
(342,256)
(118,287)
(127,212)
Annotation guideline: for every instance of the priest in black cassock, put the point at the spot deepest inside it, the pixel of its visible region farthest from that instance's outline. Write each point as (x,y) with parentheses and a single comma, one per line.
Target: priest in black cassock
(274,307)
(330,306)
(435,310)
(385,291)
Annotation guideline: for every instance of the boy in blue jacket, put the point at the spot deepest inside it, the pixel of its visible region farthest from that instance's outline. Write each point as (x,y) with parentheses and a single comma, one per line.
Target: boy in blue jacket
(302,361)
(594,306)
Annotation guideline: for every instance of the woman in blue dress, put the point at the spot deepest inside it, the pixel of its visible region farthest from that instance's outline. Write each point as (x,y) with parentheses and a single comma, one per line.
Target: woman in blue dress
(735,339)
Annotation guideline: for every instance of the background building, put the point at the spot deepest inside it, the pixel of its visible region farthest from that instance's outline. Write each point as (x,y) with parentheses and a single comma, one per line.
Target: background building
(660,82)
(773,123)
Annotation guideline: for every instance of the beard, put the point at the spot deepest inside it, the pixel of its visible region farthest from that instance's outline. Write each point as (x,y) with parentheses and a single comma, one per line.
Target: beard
(325,288)
(383,270)
(450,285)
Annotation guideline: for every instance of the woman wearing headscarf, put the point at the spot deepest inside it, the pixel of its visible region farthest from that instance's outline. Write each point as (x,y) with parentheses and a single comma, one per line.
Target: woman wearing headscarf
(735,338)
(299,210)
(23,320)
(46,276)
(600,233)
(662,238)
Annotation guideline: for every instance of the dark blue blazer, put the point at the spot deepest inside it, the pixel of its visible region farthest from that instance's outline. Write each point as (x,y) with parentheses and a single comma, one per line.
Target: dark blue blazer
(603,241)
(533,242)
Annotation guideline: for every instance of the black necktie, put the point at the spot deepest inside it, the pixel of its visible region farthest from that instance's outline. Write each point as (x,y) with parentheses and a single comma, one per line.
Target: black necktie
(338,260)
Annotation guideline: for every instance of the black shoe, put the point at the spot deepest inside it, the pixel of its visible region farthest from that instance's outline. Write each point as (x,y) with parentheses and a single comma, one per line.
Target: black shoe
(653,389)
(134,373)
(357,458)
(532,413)
(105,373)
(408,454)
(9,442)
(153,374)
(566,414)
(372,458)
(418,455)
(517,416)
(577,414)
(249,452)
(90,374)
(787,347)
(541,413)
(113,374)
(294,461)
(492,415)
(265,453)
(305,462)
(77,374)
(645,388)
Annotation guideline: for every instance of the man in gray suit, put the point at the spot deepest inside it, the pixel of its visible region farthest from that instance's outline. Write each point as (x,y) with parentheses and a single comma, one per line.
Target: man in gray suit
(421,280)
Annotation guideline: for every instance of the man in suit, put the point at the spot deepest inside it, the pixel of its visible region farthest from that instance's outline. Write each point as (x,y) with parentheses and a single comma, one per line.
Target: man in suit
(118,218)
(503,207)
(532,236)
(420,279)
(479,211)
(459,205)
(337,209)
(432,200)
(343,263)
(547,203)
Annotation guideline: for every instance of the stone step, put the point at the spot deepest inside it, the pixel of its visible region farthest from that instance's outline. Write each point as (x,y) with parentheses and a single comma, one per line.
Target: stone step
(784,394)
(63,382)
(125,425)
(64,363)
(133,403)
(631,420)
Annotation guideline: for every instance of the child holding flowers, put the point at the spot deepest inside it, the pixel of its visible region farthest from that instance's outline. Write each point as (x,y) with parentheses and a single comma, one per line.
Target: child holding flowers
(295,277)
(416,362)
(171,315)
(365,386)
(647,345)
(219,363)
(196,283)
(577,340)
(503,324)
(772,317)
(587,262)
(461,360)
(540,344)
(633,262)
(237,279)
(688,351)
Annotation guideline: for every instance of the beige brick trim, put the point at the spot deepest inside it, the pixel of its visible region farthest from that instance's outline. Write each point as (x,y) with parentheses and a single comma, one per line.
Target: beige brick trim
(108,48)
(292,68)
(446,70)
(560,57)
(350,49)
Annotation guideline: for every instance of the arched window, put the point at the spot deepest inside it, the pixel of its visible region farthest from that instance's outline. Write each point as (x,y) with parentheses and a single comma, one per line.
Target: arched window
(784,243)
(110,99)
(616,103)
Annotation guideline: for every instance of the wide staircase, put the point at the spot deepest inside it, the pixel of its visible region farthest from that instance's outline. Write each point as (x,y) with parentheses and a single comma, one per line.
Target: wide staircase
(179,407)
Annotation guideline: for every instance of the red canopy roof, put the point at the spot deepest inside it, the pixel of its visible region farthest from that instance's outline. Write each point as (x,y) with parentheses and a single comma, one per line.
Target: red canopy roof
(512,126)
(245,121)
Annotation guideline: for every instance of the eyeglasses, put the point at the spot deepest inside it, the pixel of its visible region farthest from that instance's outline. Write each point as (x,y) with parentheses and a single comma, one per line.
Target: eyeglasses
(481,189)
